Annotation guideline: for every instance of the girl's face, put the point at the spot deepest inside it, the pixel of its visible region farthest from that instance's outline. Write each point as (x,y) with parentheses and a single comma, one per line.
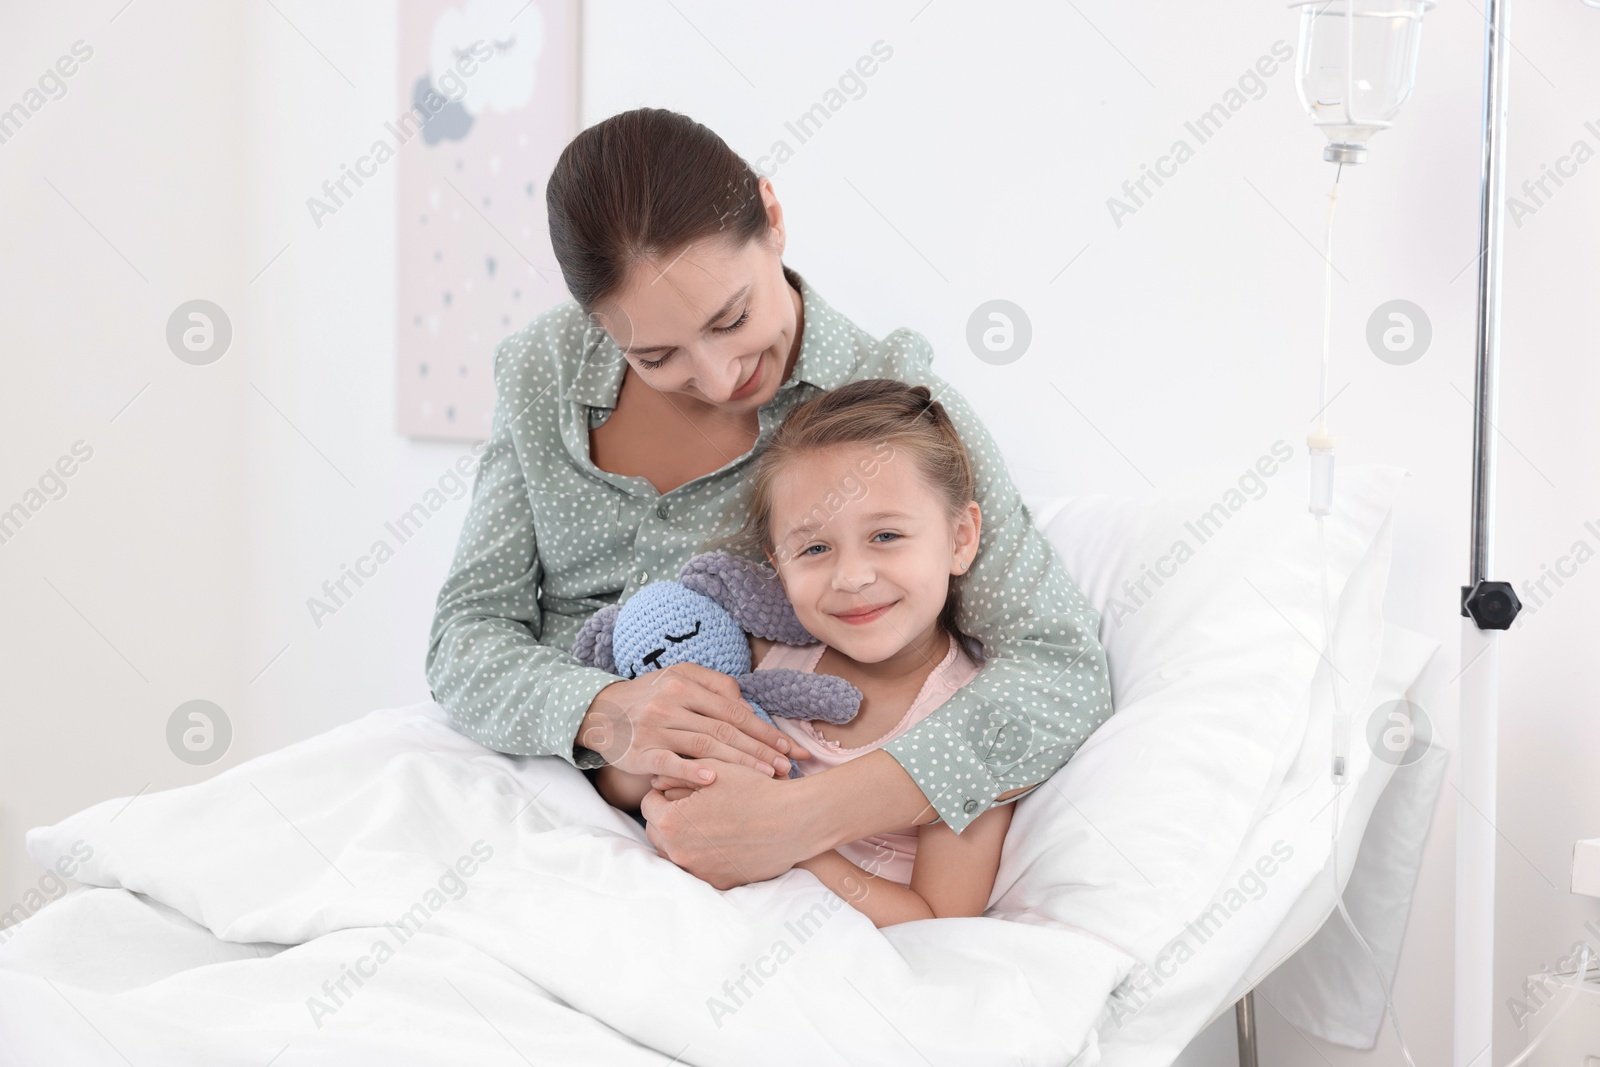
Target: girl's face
(866,559)
(716,323)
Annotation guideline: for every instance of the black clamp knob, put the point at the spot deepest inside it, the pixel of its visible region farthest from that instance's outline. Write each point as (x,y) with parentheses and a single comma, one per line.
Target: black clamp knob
(1492,605)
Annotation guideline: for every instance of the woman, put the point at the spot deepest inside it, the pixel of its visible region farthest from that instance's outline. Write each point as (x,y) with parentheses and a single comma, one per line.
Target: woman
(626,423)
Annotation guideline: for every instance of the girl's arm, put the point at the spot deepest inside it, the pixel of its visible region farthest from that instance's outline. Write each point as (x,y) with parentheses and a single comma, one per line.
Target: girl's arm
(952,877)
(621,789)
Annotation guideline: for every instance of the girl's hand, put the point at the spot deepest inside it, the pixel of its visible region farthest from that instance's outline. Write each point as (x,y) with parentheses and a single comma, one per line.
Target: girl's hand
(665,782)
(621,789)
(682,723)
(670,786)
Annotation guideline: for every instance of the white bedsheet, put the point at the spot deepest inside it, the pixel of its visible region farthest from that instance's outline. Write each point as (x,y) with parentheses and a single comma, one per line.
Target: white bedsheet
(571,942)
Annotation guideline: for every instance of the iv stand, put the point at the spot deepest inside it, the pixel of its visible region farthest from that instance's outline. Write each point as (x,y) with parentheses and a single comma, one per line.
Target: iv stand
(1489,606)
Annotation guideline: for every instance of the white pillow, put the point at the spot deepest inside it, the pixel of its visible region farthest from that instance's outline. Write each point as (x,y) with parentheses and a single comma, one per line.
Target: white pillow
(1211,678)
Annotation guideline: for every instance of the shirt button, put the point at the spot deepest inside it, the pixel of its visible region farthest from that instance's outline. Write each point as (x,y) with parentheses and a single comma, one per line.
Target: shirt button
(644,576)
(661,511)
(970,806)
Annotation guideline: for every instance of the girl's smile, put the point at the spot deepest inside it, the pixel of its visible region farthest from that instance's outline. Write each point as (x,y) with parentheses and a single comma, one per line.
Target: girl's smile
(865,615)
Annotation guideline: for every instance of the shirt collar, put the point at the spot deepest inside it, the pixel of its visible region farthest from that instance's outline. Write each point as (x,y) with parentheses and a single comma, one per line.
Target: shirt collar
(602,365)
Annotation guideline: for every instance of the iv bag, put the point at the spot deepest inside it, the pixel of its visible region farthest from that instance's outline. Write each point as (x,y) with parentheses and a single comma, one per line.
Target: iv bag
(1356,66)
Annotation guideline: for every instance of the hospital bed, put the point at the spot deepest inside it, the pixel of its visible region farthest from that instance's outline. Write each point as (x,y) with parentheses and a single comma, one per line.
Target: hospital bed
(391,892)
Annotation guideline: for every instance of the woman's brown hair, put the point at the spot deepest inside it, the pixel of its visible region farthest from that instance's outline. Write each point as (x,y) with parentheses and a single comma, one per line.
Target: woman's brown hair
(868,411)
(645,183)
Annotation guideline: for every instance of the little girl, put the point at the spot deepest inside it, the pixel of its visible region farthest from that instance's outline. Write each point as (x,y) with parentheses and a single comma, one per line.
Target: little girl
(862,502)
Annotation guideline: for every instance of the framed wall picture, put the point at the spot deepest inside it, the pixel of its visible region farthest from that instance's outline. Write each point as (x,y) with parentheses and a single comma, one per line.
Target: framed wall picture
(488,97)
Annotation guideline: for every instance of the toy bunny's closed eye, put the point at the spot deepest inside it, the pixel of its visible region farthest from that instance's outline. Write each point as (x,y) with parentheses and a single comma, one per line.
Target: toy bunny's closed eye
(703,618)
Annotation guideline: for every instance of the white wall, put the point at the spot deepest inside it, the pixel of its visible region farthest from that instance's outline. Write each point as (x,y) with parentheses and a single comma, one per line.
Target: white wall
(976,165)
(123,598)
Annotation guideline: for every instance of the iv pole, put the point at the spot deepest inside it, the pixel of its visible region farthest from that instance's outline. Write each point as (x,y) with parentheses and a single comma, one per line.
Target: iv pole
(1488,606)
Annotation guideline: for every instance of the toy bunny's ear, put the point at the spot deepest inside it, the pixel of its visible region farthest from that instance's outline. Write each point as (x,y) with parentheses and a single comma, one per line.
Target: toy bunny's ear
(801,695)
(750,592)
(593,644)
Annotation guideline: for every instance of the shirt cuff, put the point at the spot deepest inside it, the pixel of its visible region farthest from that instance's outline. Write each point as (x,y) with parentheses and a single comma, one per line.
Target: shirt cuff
(947,770)
(1019,796)
(582,688)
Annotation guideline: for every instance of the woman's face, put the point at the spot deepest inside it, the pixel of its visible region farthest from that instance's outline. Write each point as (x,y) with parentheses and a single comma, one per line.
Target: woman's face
(716,323)
(847,541)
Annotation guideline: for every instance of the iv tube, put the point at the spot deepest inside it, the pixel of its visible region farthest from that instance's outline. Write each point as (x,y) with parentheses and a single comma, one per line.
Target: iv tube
(1320,444)
(1327,306)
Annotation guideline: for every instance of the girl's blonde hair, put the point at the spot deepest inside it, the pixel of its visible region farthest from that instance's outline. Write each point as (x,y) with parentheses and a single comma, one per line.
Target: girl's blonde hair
(869,411)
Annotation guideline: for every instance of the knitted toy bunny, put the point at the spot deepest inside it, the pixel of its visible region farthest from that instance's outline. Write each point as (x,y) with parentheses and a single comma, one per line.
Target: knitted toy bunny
(702,618)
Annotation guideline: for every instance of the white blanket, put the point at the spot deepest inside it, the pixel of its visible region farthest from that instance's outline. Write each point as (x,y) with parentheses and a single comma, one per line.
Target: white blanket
(540,918)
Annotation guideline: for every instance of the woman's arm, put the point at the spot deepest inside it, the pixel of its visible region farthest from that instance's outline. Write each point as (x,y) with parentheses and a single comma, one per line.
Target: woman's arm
(485,666)
(505,689)
(747,827)
(1044,686)
(952,877)
(1043,690)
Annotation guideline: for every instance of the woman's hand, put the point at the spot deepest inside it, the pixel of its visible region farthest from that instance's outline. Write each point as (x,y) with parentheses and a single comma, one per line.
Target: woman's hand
(744,827)
(673,788)
(683,723)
